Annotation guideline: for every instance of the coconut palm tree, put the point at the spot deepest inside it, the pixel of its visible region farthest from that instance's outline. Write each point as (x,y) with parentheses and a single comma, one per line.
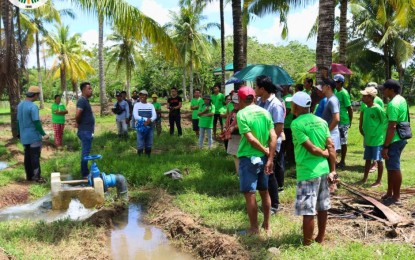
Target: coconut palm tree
(325,36)
(125,54)
(239,57)
(343,31)
(190,41)
(69,55)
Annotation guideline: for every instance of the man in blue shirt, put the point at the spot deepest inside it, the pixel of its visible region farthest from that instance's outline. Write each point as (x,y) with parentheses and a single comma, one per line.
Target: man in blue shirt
(85,122)
(122,115)
(31,132)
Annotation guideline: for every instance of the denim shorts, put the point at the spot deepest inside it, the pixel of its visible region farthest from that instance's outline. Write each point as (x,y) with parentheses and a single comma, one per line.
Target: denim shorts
(312,196)
(373,153)
(195,124)
(252,176)
(394,153)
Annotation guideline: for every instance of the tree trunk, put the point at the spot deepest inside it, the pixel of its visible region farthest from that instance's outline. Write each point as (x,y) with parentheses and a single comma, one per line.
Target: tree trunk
(222,42)
(191,79)
(387,61)
(325,36)
(245,21)
(63,82)
(9,66)
(21,52)
(127,84)
(184,85)
(75,88)
(343,31)
(39,75)
(238,38)
(102,92)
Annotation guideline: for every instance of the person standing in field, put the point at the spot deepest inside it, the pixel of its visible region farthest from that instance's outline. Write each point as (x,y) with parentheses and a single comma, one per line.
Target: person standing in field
(312,146)
(232,132)
(174,103)
(256,153)
(396,112)
(287,145)
(130,107)
(157,107)
(218,100)
(122,113)
(331,112)
(31,134)
(346,116)
(205,113)
(85,122)
(144,114)
(58,119)
(373,130)
(195,104)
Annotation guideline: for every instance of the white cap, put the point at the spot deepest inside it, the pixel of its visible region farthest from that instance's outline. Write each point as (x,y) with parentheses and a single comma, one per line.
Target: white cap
(143,92)
(235,98)
(301,99)
(319,87)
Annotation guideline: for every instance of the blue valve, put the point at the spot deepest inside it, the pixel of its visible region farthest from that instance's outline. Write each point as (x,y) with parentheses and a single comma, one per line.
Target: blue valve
(94,172)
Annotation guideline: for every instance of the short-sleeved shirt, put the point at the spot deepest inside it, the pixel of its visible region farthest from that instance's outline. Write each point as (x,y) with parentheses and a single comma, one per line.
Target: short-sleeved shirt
(222,111)
(58,119)
(397,111)
(377,100)
(289,116)
(231,107)
(157,105)
(320,107)
(345,102)
(196,102)
(374,125)
(27,113)
(217,101)
(258,121)
(206,121)
(332,106)
(125,110)
(309,127)
(87,122)
(174,102)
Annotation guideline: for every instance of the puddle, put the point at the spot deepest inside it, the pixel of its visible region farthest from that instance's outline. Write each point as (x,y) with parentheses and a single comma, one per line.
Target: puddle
(3,165)
(41,209)
(131,239)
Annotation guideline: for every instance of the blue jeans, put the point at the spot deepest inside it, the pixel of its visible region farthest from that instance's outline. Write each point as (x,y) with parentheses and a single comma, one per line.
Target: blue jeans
(145,140)
(202,136)
(252,176)
(86,141)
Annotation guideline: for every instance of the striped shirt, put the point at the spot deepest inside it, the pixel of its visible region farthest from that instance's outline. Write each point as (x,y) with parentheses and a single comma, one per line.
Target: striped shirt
(145,111)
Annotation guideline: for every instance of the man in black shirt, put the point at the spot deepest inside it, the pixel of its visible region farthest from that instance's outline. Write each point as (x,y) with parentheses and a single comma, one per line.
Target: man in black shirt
(85,122)
(174,103)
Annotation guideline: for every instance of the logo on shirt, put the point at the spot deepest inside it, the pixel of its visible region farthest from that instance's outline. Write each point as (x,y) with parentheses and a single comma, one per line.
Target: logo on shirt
(28,4)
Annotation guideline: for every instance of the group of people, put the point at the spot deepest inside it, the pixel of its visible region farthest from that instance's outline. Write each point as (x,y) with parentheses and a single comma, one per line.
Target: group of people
(262,128)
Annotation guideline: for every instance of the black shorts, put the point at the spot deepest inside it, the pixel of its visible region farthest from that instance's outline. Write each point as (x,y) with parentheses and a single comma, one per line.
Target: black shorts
(195,124)
(217,117)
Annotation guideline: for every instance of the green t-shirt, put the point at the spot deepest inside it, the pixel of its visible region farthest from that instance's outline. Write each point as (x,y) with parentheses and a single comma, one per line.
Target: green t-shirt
(288,116)
(58,119)
(157,105)
(217,101)
(258,121)
(374,125)
(309,127)
(308,92)
(344,100)
(196,102)
(222,111)
(397,111)
(230,107)
(377,100)
(206,121)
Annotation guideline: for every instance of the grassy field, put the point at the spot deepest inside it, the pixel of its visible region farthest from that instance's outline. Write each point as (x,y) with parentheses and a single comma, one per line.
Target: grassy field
(210,192)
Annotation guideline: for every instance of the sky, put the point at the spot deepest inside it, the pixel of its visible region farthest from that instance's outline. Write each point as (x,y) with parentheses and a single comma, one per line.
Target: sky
(266,29)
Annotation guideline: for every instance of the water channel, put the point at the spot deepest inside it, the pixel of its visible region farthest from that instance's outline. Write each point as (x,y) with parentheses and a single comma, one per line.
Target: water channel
(3,165)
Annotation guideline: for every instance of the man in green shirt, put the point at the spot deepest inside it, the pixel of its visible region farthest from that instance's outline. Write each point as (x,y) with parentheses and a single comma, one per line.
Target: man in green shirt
(346,116)
(157,107)
(218,100)
(312,146)
(397,112)
(287,144)
(256,154)
(205,113)
(58,119)
(195,104)
(373,130)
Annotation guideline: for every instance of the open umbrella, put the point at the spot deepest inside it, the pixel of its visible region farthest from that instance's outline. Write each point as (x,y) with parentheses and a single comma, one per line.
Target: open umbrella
(336,68)
(233,80)
(277,74)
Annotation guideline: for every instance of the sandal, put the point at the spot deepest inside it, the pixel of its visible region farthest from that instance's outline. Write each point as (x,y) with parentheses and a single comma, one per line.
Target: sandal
(385,197)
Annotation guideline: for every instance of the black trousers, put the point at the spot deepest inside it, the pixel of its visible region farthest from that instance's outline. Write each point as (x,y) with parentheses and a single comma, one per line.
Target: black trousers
(279,168)
(273,190)
(175,119)
(32,162)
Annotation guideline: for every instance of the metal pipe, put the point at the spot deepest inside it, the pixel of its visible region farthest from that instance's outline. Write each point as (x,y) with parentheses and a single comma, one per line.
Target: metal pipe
(121,185)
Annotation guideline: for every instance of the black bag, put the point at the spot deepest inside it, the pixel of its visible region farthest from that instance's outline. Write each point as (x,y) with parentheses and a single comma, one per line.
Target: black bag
(117,109)
(404,129)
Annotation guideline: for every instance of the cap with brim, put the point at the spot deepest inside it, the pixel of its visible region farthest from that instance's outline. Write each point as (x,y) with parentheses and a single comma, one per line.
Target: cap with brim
(154,95)
(301,99)
(207,97)
(338,78)
(372,84)
(235,99)
(245,91)
(143,92)
(319,87)
(372,91)
(32,91)
(118,94)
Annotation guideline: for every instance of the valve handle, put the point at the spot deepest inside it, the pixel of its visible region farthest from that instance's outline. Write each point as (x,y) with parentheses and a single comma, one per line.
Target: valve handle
(92,157)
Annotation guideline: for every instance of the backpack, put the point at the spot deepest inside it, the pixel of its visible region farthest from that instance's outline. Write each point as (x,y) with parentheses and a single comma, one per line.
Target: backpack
(117,109)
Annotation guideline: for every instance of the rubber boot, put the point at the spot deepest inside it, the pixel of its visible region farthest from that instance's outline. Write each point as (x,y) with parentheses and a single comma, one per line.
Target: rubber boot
(140,152)
(148,151)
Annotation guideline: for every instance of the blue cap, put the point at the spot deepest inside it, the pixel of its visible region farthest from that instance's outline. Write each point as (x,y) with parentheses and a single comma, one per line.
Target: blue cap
(339,77)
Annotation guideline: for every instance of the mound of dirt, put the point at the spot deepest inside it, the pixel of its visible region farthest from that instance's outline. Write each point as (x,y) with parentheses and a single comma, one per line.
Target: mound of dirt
(207,243)
(103,218)
(12,194)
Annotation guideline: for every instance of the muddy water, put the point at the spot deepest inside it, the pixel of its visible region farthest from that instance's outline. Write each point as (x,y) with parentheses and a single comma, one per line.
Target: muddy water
(3,165)
(131,239)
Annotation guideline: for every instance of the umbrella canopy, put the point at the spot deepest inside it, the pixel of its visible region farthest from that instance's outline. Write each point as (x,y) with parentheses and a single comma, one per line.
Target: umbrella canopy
(277,74)
(228,67)
(336,68)
(233,80)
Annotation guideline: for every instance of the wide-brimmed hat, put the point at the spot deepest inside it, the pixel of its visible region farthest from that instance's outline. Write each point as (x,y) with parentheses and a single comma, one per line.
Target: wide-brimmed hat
(32,91)
(372,91)
(154,95)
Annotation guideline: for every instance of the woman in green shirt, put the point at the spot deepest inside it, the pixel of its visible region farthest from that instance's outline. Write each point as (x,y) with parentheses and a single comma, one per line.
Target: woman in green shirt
(58,119)
(206,112)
